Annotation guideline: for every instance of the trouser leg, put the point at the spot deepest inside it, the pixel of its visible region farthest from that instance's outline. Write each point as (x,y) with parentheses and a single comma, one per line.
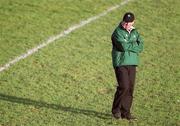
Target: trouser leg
(132,76)
(124,94)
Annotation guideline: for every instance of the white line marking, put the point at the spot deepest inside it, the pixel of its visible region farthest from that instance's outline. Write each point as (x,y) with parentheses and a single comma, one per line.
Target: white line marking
(62,34)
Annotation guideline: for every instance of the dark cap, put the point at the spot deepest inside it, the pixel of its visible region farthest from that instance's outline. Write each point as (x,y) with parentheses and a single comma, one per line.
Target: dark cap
(128,17)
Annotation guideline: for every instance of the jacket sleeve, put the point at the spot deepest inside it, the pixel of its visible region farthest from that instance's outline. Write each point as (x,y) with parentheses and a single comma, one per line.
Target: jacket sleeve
(137,46)
(118,46)
(128,46)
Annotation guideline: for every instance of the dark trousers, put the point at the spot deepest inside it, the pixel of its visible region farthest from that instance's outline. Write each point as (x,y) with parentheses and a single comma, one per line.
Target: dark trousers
(123,97)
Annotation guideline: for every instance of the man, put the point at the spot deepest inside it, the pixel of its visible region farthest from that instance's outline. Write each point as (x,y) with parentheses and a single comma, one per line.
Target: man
(127,44)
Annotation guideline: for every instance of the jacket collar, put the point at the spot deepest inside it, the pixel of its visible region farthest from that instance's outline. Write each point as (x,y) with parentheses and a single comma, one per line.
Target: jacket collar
(121,26)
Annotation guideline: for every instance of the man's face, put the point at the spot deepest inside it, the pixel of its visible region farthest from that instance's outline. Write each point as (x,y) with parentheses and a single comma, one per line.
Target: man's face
(128,25)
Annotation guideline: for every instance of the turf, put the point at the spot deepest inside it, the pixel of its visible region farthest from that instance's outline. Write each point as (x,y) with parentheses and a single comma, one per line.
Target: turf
(72,82)
(25,24)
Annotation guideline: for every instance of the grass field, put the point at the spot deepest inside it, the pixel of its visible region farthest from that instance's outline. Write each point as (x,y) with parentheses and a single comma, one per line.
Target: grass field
(71,82)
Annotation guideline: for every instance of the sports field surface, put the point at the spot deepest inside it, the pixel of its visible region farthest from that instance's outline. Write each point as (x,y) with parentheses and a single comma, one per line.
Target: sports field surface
(71,82)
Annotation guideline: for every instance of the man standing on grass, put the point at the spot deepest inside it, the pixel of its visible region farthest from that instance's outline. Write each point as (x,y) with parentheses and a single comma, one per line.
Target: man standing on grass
(126,46)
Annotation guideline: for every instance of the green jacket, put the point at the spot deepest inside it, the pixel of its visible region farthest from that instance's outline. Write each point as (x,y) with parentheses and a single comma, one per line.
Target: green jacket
(126,47)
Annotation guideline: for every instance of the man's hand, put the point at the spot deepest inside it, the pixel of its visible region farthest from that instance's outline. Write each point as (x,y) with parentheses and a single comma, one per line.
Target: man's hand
(138,42)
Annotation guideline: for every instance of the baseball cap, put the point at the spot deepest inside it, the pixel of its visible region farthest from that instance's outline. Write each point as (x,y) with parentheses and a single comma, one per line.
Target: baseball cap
(128,17)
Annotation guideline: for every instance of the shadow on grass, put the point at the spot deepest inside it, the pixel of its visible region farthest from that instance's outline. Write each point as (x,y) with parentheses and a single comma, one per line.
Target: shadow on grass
(34,103)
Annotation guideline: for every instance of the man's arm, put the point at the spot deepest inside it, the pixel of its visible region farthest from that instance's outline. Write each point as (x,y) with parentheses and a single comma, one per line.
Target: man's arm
(138,45)
(128,46)
(118,46)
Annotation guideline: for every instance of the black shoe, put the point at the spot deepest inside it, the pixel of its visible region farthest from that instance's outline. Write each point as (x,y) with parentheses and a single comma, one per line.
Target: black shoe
(117,115)
(128,117)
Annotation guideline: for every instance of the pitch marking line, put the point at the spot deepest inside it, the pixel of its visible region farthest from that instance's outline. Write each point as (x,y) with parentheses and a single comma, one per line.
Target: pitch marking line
(62,34)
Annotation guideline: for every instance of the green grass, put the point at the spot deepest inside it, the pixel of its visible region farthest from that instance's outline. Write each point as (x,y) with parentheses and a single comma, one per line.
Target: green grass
(72,82)
(24,24)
